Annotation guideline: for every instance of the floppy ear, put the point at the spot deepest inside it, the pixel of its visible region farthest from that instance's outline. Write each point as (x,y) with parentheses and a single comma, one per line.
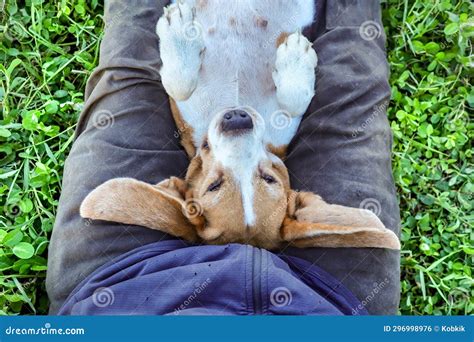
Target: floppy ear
(129,201)
(311,222)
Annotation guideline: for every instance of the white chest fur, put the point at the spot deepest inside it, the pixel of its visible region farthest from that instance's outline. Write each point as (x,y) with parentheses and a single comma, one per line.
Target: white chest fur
(240,39)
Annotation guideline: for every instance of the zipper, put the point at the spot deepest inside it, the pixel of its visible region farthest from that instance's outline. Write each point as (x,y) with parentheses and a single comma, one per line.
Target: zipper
(256,280)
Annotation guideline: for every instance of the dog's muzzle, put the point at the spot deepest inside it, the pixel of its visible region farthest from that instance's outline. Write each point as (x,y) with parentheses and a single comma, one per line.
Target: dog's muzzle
(236,121)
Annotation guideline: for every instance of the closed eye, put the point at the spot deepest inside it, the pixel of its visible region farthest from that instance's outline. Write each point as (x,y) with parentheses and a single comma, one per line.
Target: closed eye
(214,186)
(267,178)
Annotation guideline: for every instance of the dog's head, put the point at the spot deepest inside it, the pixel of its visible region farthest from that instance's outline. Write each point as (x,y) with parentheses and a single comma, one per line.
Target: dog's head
(237,190)
(237,183)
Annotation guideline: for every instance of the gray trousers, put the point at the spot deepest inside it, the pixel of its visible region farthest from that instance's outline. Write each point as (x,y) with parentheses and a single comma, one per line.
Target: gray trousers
(341,151)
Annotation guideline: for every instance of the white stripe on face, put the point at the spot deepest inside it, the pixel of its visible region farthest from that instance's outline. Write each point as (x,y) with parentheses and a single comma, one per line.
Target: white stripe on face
(240,155)
(247,190)
(243,168)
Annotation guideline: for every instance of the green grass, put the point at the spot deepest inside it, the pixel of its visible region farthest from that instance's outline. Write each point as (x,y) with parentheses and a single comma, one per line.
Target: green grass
(49,48)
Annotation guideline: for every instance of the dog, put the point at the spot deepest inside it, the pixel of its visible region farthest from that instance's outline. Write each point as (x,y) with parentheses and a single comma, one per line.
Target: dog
(234,71)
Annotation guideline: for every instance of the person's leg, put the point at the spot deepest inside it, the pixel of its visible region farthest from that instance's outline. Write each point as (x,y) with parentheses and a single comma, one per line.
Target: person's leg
(343,148)
(125,130)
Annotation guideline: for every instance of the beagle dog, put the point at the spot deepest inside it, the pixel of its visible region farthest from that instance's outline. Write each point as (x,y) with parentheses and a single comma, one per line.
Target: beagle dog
(240,76)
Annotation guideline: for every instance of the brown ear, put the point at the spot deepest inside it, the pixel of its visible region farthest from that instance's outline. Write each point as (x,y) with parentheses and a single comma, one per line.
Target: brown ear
(311,222)
(129,201)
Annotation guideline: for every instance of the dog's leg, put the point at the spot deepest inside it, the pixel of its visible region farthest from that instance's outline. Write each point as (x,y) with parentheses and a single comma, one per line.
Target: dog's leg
(294,74)
(181,50)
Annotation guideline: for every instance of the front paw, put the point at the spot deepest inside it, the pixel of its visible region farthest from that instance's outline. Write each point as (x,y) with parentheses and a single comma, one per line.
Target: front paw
(181,50)
(294,74)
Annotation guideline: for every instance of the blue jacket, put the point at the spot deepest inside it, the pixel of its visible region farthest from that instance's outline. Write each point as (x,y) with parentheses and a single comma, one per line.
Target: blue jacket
(173,278)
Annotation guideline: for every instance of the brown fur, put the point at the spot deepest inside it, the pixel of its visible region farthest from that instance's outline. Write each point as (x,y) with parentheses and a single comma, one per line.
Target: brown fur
(130,201)
(185,131)
(186,208)
(313,222)
(281,38)
(309,207)
(304,234)
(223,216)
(261,22)
(279,151)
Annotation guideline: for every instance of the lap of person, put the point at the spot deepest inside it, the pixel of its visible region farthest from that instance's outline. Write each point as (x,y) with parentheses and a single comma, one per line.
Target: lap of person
(342,149)
(125,130)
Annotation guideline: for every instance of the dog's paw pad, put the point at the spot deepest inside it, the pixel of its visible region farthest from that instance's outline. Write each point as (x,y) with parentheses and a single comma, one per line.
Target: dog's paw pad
(181,50)
(294,73)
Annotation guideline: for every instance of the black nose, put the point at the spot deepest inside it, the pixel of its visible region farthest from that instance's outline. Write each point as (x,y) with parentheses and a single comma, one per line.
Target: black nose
(236,120)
